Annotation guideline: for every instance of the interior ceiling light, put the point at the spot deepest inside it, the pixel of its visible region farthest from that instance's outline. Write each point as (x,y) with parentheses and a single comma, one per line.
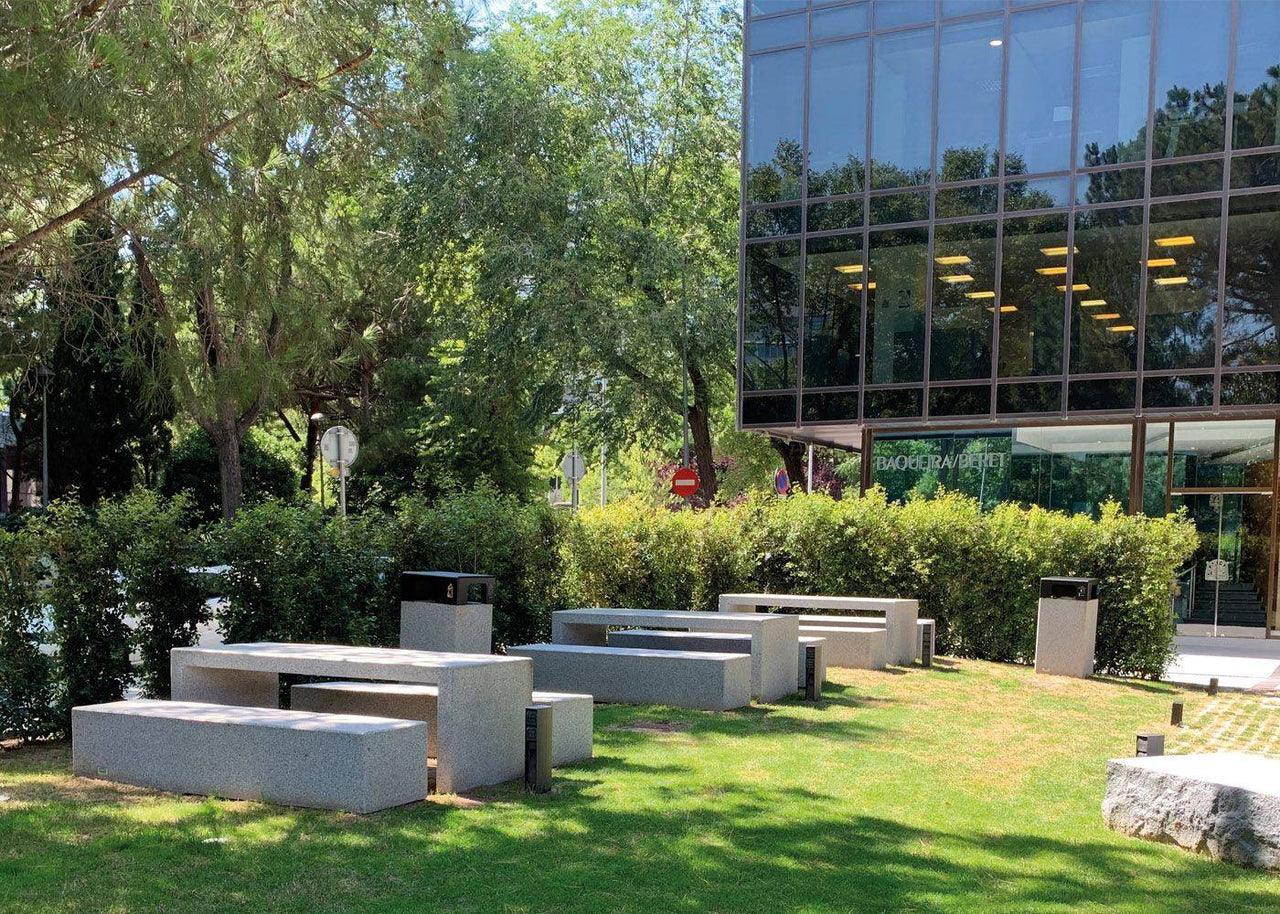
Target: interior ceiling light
(1176,241)
(1162,262)
(1104,317)
(849,268)
(1058,251)
(1093,302)
(857,286)
(959,277)
(952,260)
(1052,271)
(996,42)
(980,294)
(1076,287)
(1122,328)
(1004,309)
(1172,280)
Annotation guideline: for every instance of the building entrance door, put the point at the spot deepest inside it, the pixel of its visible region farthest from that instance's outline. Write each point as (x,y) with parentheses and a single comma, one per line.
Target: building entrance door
(1226,584)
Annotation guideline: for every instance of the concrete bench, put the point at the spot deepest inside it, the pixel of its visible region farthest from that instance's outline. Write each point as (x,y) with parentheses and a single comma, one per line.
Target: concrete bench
(571,715)
(293,758)
(926,628)
(898,617)
(733,642)
(1226,804)
(856,647)
(684,679)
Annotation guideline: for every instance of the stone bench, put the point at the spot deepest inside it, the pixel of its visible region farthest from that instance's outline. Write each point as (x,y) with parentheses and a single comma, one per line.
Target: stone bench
(926,628)
(294,758)
(684,679)
(897,616)
(571,715)
(1225,804)
(856,647)
(733,642)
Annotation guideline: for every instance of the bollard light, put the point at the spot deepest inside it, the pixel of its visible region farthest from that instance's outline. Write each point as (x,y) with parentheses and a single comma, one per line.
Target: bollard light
(1175,717)
(812,687)
(537,748)
(1150,744)
(926,645)
(1213,685)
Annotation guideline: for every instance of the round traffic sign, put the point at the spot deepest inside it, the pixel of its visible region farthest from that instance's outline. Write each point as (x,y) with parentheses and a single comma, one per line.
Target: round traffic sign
(684,482)
(339,446)
(573,466)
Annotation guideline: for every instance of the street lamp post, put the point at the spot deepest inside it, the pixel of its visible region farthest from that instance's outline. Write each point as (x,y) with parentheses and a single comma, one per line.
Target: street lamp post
(316,419)
(44,374)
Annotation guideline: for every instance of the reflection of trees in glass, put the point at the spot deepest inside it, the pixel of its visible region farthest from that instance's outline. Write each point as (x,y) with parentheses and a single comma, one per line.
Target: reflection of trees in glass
(772,298)
(1109,246)
(1257,113)
(1078,482)
(1190,121)
(963,311)
(1031,337)
(895,306)
(833,305)
(987,483)
(778,178)
(1181,317)
(1252,305)
(840,178)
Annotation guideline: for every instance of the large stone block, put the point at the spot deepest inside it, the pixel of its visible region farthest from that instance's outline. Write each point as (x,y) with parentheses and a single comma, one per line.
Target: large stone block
(897,616)
(572,716)
(293,758)
(1223,804)
(685,679)
(465,628)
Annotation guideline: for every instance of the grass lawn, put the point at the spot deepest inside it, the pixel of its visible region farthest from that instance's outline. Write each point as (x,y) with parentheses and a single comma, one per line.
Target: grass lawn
(973,786)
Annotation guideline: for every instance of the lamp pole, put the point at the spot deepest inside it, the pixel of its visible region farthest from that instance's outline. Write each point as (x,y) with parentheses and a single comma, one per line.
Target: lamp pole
(316,419)
(44,374)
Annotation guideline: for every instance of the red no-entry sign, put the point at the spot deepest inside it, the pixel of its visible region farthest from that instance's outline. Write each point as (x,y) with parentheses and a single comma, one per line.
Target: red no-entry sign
(684,482)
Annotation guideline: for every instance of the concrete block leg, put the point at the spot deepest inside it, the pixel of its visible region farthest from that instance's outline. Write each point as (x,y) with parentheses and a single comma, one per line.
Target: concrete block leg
(566,632)
(244,688)
(463,629)
(480,726)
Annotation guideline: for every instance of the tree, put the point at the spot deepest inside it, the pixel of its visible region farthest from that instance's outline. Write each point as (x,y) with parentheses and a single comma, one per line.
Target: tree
(592,172)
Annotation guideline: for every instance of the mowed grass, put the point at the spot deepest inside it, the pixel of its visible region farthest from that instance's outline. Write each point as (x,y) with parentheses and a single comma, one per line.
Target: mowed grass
(972,786)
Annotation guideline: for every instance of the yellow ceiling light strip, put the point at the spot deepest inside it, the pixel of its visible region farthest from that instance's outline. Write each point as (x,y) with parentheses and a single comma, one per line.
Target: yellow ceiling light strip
(1004,309)
(1058,251)
(1093,303)
(849,268)
(987,294)
(1122,328)
(1077,287)
(1109,316)
(957,278)
(1171,280)
(1052,271)
(1162,262)
(952,260)
(1176,241)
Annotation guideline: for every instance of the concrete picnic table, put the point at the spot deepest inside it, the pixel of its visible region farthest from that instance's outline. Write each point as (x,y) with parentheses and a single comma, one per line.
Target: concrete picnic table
(774,638)
(900,616)
(480,721)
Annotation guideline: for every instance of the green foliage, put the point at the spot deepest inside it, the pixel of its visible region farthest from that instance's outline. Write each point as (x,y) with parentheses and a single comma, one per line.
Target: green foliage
(85,598)
(155,554)
(192,471)
(485,532)
(298,574)
(26,674)
(976,573)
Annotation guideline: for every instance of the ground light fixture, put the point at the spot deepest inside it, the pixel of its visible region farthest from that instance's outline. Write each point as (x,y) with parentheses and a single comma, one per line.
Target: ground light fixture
(1175,714)
(1149,744)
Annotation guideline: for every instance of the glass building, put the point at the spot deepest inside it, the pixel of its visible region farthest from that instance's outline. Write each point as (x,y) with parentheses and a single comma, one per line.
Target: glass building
(1027,250)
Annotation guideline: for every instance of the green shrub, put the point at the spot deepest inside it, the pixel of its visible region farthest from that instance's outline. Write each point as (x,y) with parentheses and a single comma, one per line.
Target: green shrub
(976,573)
(297,574)
(155,553)
(484,532)
(88,610)
(26,674)
(192,469)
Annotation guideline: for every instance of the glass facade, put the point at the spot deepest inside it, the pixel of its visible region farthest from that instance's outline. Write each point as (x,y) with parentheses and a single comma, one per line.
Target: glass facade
(977,212)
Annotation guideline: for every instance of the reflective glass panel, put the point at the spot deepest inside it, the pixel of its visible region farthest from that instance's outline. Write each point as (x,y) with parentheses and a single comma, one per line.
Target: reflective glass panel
(772,315)
(1033,269)
(765,7)
(1039,193)
(895,305)
(973,200)
(1186,178)
(1155,470)
(837,117)
(1075,469)
(964,300)
(1033,397)
(1041,60)
(1231,453)
(1177,392)
(969,77)
(967,400)
(1249,388)
(835,275)
(1257,114)
(1115,55)
(1182,284)
(917,466)
(1191,77)
(773,220)
(1096,394)
(1104,290)
(838,22)
(896,403)
(1256,170)
(890,208)
(769,410)
(836,406)
(774,123)
(903,91)
(891,13)
(953,8)
(835,214)
(1111,186)
(1252,281)
(776,32)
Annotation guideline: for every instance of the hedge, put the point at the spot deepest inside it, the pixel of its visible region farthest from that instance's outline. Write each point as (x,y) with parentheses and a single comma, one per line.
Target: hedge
(976,573)
(126,579)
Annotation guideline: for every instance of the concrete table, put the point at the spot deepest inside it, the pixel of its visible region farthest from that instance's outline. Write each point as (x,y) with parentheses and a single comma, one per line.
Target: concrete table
(774,638)
(900,616)
(480,721)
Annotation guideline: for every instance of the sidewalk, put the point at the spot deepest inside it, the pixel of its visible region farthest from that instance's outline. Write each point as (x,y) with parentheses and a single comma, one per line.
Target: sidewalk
(1238,663)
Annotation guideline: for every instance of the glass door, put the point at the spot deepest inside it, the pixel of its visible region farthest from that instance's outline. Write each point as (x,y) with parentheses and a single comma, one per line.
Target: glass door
(1226,583)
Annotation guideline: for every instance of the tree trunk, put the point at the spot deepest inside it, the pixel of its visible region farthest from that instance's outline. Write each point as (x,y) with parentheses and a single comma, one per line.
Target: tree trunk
(309,451)
(229,473)
(793,457)
(700,432)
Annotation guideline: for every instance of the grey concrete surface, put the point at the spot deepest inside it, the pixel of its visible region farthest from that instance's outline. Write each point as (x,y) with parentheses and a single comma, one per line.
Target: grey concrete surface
(292,758)
(685,679)
(465,629)
(900,616)
(716,642)
(773,637)
(1224,804)
(852,646)
(1252,664)
(480,736)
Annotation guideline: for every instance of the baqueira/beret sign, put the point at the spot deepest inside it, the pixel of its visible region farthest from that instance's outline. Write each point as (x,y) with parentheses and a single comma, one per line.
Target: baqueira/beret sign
(939,462)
